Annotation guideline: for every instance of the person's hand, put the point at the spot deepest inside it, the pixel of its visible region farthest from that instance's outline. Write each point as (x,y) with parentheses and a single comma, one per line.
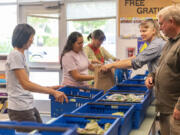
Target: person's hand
(96,62)
(116,60)
(176,114)
(149,82)
(60,96)
(105,68)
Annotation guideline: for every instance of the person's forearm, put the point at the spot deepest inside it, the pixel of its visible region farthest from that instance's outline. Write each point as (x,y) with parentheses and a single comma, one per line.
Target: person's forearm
(121,64)
(84,77)
(33,87)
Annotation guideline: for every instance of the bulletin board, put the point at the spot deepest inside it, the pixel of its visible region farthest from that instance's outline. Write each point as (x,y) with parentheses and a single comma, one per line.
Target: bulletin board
(139,9)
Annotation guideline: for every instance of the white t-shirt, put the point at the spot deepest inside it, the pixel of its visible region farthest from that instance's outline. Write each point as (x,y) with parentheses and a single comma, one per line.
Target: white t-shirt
(18,98)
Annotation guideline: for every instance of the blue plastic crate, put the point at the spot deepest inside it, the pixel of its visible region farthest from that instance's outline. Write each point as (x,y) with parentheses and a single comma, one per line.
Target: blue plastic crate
(77,96)
(82,119)
(140,107)
(140,82)
(8,128)
(134,81)
(134,88)
(140,76)
(121,74)
(104,109)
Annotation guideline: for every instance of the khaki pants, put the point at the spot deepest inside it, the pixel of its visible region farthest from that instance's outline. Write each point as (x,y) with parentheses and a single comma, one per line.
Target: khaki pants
(164,121)
(174,126)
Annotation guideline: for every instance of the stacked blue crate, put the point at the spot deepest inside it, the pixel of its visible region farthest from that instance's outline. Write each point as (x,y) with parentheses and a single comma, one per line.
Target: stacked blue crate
(77,96)
(121,74)
(137,88)
(139,76)
(134,88)
(134,81)
(82,119)
(140,107)
(139,82)
(104,109)
(9,128)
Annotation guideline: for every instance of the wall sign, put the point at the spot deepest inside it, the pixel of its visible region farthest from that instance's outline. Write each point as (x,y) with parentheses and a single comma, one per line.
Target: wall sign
(141,8)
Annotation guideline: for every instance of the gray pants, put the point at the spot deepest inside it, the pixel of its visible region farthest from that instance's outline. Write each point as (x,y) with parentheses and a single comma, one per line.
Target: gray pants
(31,115)
(175,126)
(164,121)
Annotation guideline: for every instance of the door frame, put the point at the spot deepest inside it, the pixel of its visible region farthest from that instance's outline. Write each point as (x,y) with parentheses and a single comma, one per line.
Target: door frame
(25,10)
(40,8)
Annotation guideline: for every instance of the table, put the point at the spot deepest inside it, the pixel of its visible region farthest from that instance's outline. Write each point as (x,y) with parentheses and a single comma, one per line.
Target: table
(148,125)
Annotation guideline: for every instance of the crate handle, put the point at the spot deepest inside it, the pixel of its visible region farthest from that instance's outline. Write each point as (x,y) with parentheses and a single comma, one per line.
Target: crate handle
(99,103)
(133,85)
(83,87)
(126,93)
(90,117)
(39,128)
(137,91)
(103,100)
(135,79)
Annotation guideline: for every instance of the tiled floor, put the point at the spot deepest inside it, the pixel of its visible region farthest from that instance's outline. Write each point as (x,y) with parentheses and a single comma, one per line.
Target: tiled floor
(46,117)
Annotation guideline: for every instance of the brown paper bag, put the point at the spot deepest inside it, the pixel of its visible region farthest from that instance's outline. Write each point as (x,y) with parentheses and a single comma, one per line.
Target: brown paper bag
(103,80)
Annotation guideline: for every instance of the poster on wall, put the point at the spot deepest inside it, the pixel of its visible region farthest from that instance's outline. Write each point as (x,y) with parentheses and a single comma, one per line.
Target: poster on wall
(129,28)
(130,9)
(141,8)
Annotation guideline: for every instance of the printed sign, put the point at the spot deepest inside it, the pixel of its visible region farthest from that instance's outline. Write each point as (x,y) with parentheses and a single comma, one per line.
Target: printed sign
(141,8)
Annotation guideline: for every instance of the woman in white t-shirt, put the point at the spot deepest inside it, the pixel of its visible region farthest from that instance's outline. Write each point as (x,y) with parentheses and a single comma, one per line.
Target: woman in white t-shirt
(74,62)
(19,87)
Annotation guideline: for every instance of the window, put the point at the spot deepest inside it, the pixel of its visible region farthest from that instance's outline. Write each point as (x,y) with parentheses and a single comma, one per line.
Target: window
(43,55)
(86,27)
(96,15)
(44,79)
(7,24)
(8,1)
(45,45)
(89,9)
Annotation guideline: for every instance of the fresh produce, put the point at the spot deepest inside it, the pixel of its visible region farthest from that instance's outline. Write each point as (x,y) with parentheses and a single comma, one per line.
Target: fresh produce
(93,128)
(125,98)
(118,113)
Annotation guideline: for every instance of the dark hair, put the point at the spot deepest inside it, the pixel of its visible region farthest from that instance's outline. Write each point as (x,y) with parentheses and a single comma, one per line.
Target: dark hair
(21,35)
(72,38)
(97,34)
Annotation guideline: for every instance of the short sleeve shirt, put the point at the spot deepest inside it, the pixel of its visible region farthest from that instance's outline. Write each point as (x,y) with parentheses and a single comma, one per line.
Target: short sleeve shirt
(74,61)
(18,98)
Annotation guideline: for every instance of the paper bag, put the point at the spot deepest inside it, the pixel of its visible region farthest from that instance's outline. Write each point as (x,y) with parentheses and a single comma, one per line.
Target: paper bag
(103,80)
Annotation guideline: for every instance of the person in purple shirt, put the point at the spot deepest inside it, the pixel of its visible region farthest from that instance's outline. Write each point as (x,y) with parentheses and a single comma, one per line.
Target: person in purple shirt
(74,62)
